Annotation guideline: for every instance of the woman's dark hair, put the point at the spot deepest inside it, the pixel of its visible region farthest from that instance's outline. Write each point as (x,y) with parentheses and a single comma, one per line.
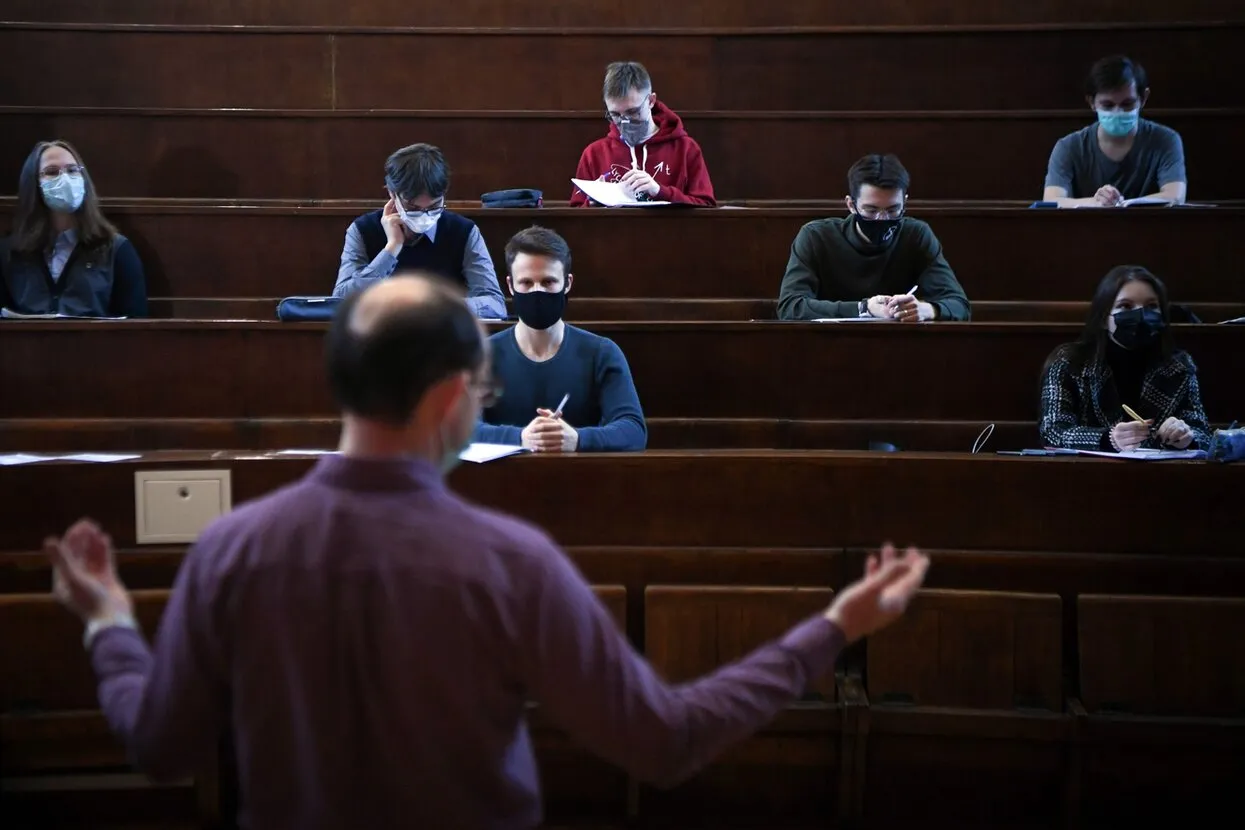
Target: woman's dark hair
(1091,346)
(32,222)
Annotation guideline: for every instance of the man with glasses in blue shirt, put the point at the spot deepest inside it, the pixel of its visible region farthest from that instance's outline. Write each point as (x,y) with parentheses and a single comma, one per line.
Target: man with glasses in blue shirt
(873,263)
(414,232)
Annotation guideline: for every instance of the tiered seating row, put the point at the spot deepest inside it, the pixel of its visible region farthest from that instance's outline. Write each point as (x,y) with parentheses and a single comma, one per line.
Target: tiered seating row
(605,13)
(310,154)
(1003,256)
(981,673)
(697,70)
(743,384)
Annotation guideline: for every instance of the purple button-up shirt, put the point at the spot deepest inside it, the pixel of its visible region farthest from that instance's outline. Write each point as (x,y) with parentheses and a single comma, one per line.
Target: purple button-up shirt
(371,639)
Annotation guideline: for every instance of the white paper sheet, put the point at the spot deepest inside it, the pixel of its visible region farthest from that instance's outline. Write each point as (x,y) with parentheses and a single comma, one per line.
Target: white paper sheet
(99,457)
(481,453)
(12,459)
(1148,455)
(853,320)
(475,453)
(10,314)
(610,194)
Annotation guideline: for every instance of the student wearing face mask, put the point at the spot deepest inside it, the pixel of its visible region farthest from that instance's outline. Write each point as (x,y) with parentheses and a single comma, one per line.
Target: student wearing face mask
(864,265)
(646,150)
(63,256)
(541,361)
(1122,155)
(1125,356)
(415,232)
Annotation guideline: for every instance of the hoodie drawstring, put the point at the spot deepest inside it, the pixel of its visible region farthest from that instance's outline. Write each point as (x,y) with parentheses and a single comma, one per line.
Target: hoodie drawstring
(644,163)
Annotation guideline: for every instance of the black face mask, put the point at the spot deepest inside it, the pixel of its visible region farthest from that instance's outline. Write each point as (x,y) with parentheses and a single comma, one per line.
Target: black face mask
(1138,327)
(879,232)
(540,309)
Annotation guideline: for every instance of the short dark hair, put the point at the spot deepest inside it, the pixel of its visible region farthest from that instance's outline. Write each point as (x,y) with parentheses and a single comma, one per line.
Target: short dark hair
(32,224)
(1115,72)
(385,372)
(623,76)
(538,241)
(879,170)
(417,169)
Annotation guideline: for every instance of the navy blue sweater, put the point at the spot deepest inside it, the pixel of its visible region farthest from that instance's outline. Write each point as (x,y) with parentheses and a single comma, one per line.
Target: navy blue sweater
(603,407)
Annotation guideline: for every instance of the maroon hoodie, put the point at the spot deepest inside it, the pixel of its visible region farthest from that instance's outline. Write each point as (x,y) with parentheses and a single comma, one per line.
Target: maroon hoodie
(671,157)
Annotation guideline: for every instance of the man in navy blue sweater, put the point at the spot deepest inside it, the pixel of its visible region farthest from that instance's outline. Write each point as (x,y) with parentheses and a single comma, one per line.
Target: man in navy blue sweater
(542,360)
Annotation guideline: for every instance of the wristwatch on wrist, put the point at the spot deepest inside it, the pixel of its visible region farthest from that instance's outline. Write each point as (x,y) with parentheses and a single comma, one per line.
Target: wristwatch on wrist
(98,624)
(862,309)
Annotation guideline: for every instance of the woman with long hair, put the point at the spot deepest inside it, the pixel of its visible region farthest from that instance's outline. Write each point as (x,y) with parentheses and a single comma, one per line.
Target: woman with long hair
(62,256)
(1125,356)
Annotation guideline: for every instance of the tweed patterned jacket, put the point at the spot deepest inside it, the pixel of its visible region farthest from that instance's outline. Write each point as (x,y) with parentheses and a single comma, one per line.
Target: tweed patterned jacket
(1079,408)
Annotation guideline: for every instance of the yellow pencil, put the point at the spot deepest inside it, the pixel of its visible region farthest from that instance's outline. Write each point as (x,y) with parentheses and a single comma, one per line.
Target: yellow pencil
(1132,414)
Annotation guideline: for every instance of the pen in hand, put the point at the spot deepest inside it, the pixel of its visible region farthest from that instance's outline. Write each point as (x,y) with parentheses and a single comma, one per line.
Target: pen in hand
(910,293)
(555,414)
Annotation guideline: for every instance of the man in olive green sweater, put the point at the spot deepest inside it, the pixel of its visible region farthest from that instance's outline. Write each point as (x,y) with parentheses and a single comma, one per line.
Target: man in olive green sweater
(866,263)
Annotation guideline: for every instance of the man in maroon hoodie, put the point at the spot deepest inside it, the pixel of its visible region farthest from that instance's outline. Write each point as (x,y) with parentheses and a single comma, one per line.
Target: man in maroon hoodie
(647,151)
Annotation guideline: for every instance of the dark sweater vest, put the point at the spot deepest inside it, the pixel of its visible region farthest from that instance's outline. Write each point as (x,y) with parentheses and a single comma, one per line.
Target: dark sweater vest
(443,257)
(85,287)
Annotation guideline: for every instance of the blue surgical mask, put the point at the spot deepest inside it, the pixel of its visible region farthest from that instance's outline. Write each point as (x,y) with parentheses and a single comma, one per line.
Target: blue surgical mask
(64,193)
(1119,123)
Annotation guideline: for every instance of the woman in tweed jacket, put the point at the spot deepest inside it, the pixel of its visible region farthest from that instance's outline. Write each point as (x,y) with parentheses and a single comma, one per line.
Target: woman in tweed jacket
(1125,355)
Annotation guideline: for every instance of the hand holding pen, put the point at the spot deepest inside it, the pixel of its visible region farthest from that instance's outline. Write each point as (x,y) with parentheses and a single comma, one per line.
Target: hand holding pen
(1171,433)
(905,308)
(1129,435)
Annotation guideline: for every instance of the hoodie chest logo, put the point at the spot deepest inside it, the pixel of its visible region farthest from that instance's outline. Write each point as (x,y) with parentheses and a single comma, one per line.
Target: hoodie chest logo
(617,171)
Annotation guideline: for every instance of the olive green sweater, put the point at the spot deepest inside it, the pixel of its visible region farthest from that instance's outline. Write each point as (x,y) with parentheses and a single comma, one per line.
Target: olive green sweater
(832,269)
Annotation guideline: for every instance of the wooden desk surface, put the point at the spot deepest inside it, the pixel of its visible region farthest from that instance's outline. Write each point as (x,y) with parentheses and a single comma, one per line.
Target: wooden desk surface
(744,498)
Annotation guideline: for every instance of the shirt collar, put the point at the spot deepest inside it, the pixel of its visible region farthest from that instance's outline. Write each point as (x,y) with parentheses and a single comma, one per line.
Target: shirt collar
(69,237)
(377,474)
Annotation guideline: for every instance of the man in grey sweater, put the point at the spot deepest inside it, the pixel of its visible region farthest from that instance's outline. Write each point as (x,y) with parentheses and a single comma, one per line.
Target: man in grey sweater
(873,263)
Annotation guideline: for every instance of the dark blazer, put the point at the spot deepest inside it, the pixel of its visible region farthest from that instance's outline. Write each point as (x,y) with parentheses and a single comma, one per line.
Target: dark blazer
(1079,408)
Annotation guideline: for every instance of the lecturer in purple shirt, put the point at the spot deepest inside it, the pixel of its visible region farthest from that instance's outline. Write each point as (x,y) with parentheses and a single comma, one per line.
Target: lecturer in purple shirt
(370,639)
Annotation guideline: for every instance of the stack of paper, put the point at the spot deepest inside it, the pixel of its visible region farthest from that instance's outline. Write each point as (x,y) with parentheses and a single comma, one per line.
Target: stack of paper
(10,314)
(1148,455)
(12,459)
(610,194)
(475,453)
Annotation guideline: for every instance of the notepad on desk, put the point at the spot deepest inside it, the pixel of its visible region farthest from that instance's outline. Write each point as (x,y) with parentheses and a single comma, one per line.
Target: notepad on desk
(611,194)
(1148,455)
(481,453)
(477,453)
(852,320)
(10,314)
(1140,201)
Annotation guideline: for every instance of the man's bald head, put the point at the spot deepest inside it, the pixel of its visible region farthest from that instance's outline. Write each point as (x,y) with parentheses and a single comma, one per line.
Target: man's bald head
(390,343)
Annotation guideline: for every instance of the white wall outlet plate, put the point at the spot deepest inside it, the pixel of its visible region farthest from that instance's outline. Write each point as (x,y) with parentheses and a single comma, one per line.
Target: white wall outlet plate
(173,506)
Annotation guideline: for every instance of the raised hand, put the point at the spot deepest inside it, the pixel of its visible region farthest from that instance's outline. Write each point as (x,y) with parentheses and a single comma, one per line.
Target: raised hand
(874,602)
